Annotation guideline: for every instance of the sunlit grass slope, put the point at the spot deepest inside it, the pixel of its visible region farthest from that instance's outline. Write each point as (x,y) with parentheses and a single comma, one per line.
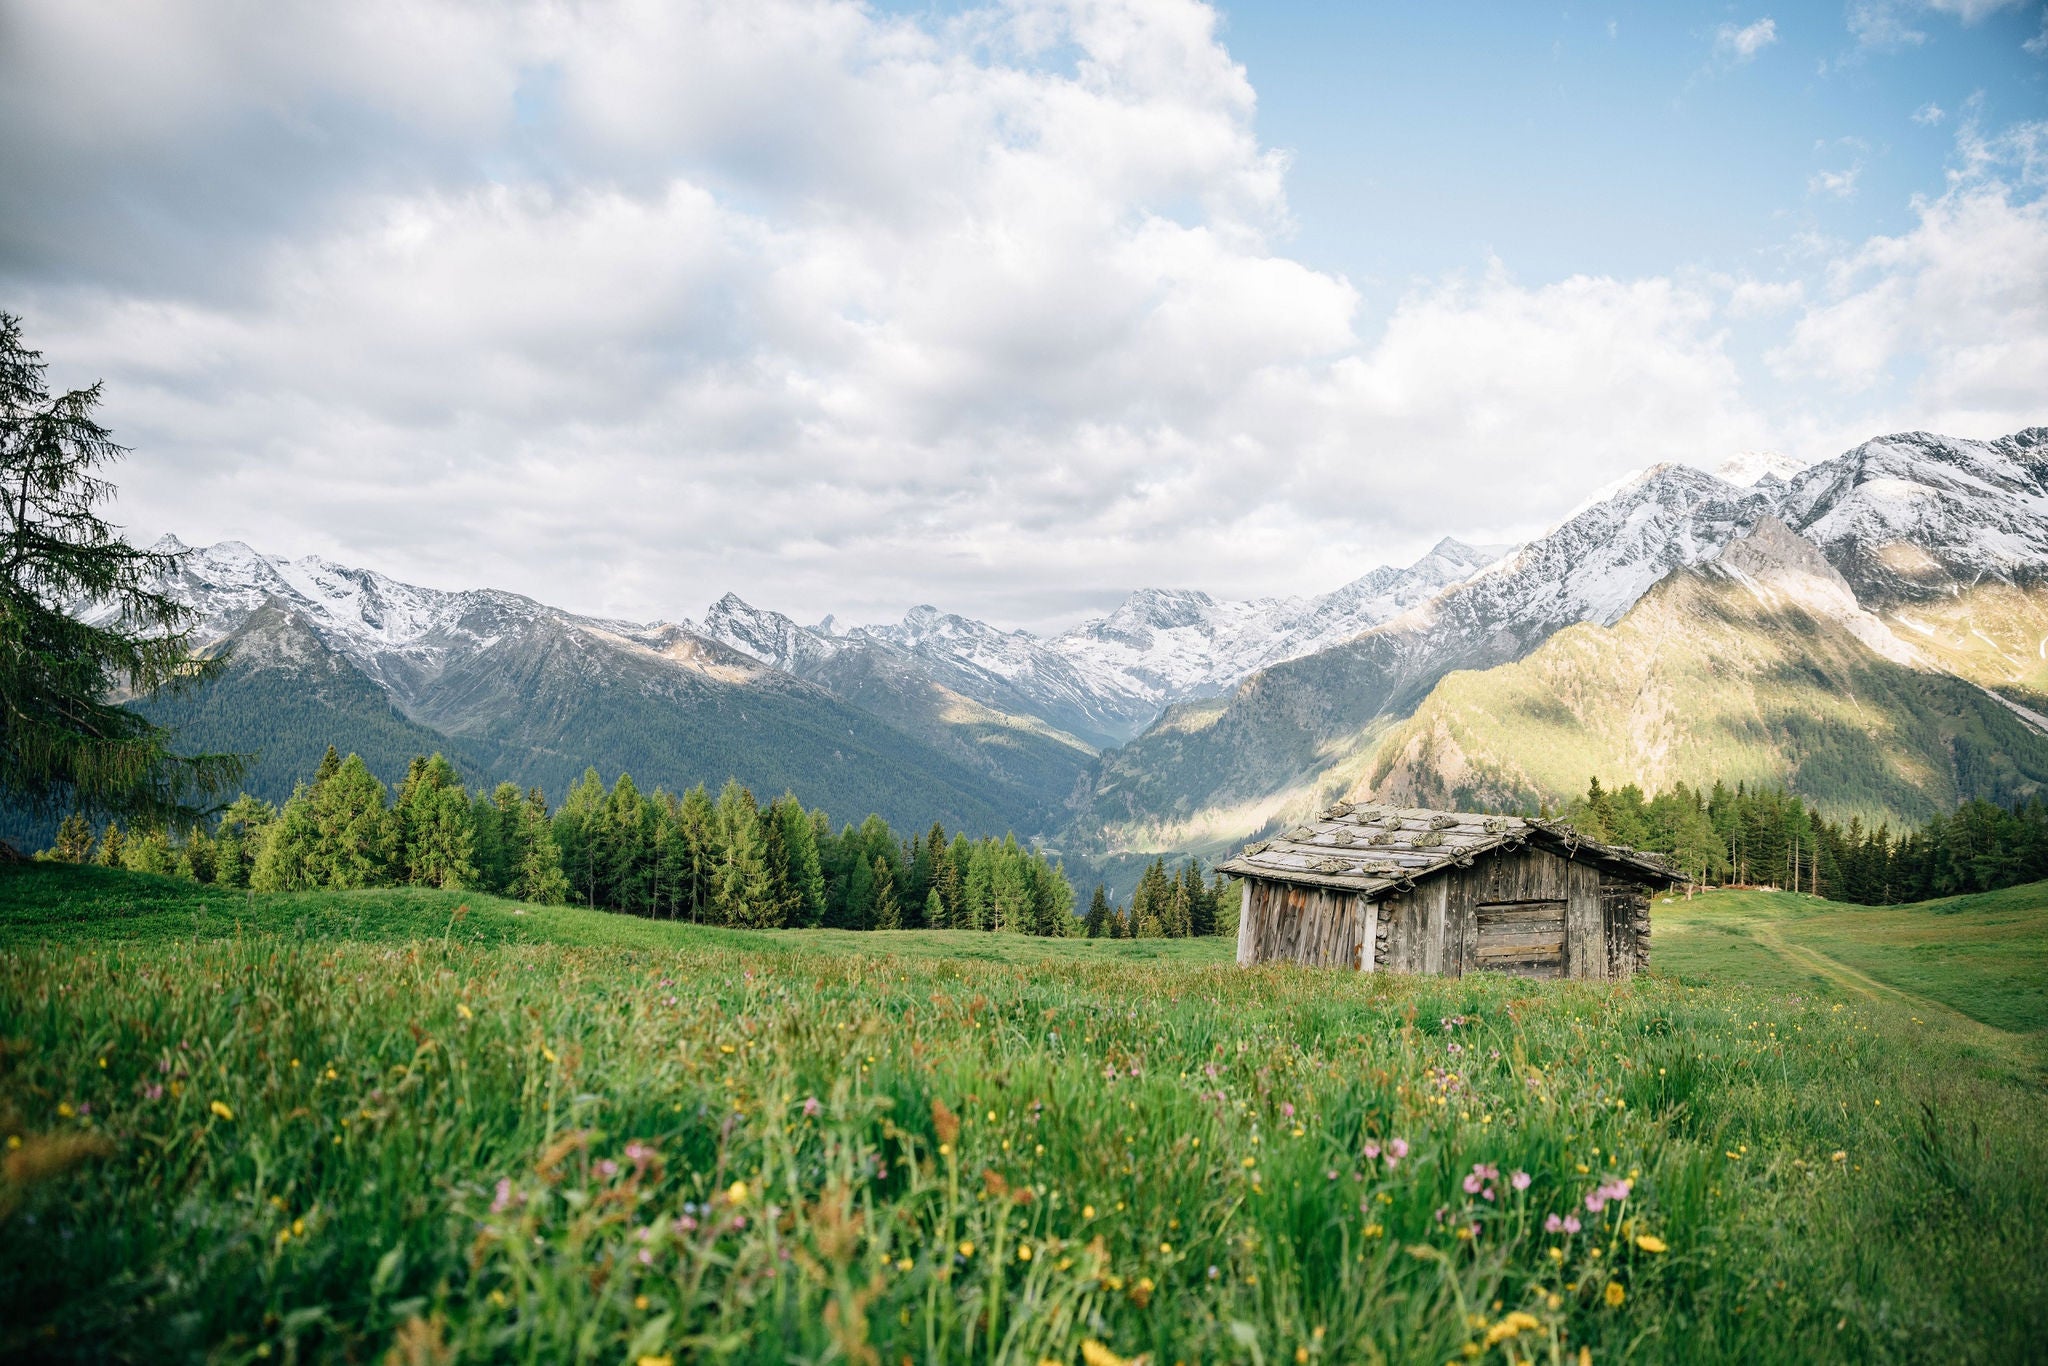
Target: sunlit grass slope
(334,1127)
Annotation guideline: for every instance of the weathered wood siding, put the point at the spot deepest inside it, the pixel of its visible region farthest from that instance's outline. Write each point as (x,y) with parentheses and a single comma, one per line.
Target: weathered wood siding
(1319,926)
(1625,906)
(1530,912)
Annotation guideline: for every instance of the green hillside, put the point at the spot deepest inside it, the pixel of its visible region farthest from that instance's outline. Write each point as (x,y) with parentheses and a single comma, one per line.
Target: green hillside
(1755,677)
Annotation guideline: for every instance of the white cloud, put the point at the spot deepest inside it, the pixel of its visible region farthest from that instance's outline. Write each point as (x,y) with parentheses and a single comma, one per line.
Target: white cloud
(1949,321)
(1887,24)
(1742,44)
(1929,114)
(625,304)
(1841,184)
(2037,46)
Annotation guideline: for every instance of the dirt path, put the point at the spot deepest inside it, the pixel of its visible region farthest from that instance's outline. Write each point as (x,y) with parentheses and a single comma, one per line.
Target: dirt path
(1836,971)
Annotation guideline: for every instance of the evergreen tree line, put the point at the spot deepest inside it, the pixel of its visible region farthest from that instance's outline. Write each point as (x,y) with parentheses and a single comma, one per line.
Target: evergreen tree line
(1163,906)
(720,861)
(1750,836)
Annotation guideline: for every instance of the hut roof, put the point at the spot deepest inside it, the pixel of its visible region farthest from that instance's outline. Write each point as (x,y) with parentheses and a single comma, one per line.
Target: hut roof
(1379,849)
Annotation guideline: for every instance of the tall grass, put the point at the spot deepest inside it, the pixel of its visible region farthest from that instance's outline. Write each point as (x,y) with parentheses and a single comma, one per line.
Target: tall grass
(288,1148)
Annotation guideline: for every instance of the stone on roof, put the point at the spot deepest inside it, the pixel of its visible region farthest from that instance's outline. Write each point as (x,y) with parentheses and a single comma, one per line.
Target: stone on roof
(1375,849)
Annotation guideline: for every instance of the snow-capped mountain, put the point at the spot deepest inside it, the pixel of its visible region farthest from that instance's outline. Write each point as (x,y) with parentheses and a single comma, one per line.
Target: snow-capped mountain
(1912,515)
(1106,678)
(1904,518)
(1753,469)
(1169,646)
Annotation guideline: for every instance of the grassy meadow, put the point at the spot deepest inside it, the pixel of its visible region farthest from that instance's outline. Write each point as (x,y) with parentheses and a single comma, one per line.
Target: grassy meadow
(423,1127)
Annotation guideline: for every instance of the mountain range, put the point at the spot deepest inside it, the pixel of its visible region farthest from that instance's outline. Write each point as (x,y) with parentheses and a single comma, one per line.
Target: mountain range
(1872,629)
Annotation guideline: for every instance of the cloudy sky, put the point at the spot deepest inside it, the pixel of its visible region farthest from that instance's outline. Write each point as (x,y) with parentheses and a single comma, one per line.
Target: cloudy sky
(1009,308)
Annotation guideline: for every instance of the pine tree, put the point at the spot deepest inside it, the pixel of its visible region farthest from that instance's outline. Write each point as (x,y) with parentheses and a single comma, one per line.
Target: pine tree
(1201,904)
(74,840)
(353,837)
(888,912)
(68,742)
(696,825)
(1097,922)
(111,841)
(624,854)
(285,854)
(934,910)
(147,851)
(980,895)
(537,874)
(806,869)
(578,837)
(238,839)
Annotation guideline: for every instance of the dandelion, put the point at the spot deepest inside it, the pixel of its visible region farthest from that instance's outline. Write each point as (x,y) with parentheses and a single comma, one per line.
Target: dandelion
(222,1110)
(1094,1353)
(1649,1242)
(1615,1294)
(736,1193)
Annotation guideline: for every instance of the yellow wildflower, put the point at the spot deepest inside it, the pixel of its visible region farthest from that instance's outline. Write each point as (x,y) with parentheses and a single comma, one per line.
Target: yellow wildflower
(737,1192)
(1023,1252)
(464,1011)
(1515,1323)
(967,1249)
(651,1360)
(1095,1354)
(1615,1294)
(222,1110)
(1650,1242)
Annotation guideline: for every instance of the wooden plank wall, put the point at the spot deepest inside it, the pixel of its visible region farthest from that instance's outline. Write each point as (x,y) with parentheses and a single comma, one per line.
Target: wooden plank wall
(1319,926)
(1531,912)
(1625,906)
(1512,912)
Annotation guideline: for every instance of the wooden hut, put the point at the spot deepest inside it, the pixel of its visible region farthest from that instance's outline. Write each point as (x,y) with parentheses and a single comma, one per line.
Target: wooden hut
(1404,889)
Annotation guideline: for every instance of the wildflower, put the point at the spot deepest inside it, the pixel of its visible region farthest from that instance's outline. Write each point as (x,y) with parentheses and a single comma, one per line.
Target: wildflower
(1287,1109)
(505,1198)
(1839,1156)
(1649,1242)
(1094,1353)
(153,1091)
(1615,1294)
(1396,1150)
(1515,1323)
(813,1107)
(222,1110)
(650,1360)
(967,1249)
(1520,1181)
(1023,1252)
(1372,1152)
(607,1168)
(737,1192)
(464,1011)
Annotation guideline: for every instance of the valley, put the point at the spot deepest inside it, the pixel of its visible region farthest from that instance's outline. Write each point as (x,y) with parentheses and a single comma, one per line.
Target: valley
(1871,631)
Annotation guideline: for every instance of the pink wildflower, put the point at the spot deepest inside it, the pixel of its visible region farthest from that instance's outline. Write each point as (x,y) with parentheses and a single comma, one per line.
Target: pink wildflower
(1520,1181)
(1372,1152)
(505,1198)
(1287,1108)
(813,1107)
(607,1168)
(1552,1224)
(686,1225)
(1472,1184)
